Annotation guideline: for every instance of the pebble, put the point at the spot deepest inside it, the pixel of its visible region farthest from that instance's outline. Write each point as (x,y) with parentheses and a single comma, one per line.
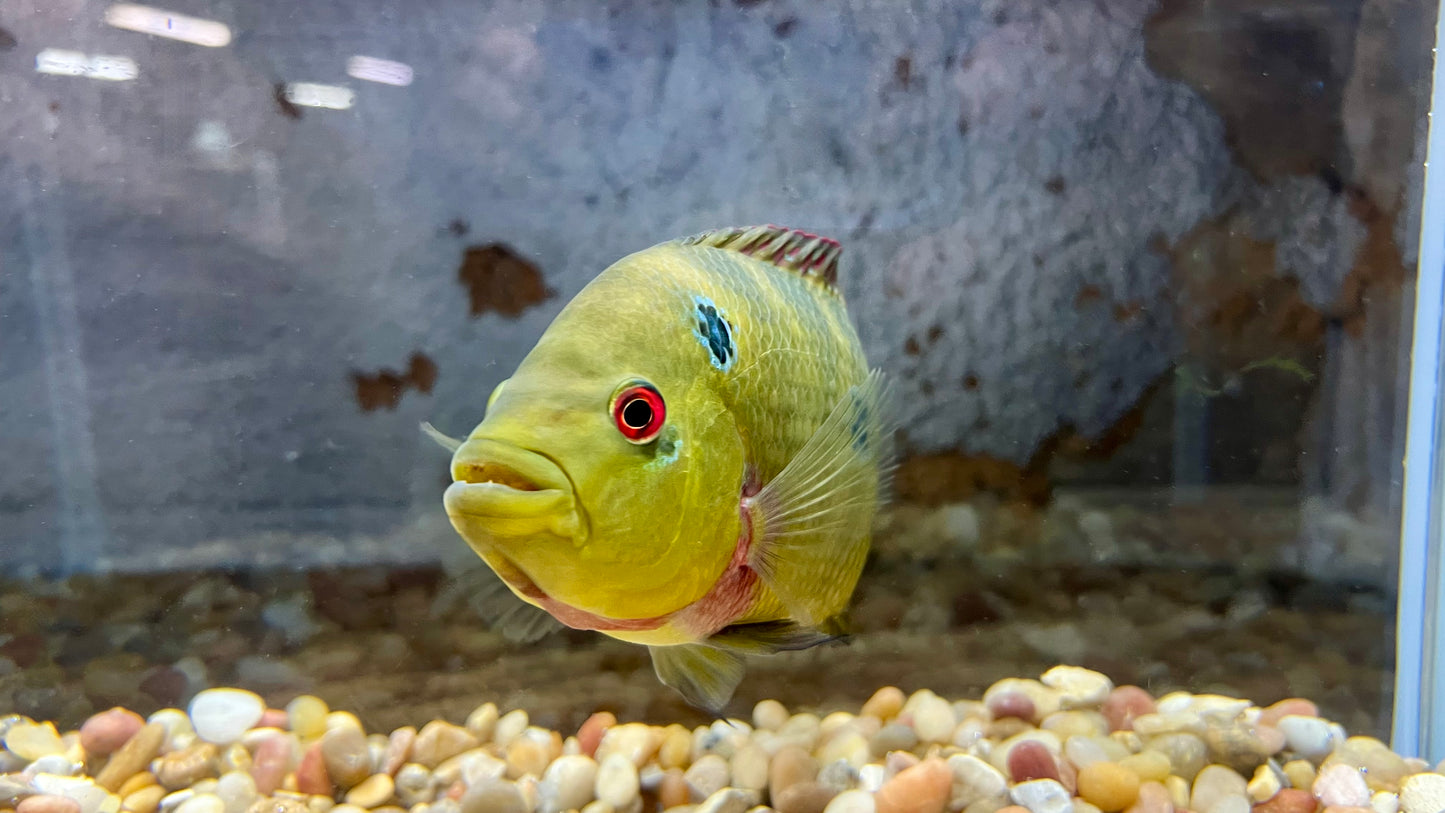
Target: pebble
(373,791)
(1042,796)
(1382,768)
(482,722)
(1385,802)
(398,749)
(852,801)
(1031,759)
(306,715)
(414,784)
(1301,773)
(527,757)
(509,726)
(1108,786)
(706,776)
(1149,766)
(1044,699)
(1012,704)
(92,799)
(728,800)
(312,775)
(567,783)
(791,765)
(635,741)
(1076,723)
(1178,791)
(132,757)
(439,741)
(1296,706)
(202,803)
(346,756)
(494,797)
(617,781)
(58,764)
(106,732)
(31,741)
(1311,737)
(923,788)
(47,804)
(1077,687)
(589,736)
(974,780)
(749,768)
(1341,785)
(885,703)
(672,790)
(1153,798)
(1264,784)
(237,790)
(770,715)
(804,797)
(268,768)
(1187,754)
(1288,800)
(221,716)
(933,718)
(893,737)
(1214,784)
(144,779)
(144,800)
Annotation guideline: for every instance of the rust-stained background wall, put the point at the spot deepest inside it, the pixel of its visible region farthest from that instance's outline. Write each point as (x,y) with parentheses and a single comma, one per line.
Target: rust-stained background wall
(1125,244)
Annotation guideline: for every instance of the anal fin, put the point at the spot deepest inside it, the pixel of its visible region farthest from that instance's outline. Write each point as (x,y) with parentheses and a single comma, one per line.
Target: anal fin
(705,676)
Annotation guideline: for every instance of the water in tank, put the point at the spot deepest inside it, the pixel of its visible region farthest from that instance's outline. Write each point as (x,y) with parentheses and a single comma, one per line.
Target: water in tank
(707,405)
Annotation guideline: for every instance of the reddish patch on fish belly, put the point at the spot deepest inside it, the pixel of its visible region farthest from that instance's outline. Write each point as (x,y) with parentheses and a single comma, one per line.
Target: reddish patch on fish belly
(728,598)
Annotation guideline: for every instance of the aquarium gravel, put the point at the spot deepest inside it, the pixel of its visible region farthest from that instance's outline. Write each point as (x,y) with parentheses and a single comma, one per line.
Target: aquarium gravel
(1068,742)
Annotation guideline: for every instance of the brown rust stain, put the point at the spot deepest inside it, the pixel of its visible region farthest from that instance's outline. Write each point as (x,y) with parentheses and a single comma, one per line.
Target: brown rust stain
(7,40)
(499,279)
(1087,293)
(384,389)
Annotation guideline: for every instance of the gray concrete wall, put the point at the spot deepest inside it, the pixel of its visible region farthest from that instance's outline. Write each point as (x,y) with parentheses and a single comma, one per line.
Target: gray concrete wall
(190,275)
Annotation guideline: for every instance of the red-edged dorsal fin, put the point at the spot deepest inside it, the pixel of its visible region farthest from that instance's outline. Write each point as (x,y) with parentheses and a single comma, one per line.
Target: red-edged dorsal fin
(793,250)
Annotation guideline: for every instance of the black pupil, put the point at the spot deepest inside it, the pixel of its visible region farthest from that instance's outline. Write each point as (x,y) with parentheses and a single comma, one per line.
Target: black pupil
(637,413)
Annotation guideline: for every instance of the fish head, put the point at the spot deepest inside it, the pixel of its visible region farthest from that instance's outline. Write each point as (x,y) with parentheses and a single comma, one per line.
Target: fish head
(606,472)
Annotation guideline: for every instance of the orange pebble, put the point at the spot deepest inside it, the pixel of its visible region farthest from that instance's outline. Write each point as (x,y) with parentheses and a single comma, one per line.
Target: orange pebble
(589,736)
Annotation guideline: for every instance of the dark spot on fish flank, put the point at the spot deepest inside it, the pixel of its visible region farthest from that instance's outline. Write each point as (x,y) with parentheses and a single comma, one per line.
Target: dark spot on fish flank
(599,60)
(1055,185)
(903,71)
(7,40)
(911,347)
(499,279)
(784,27)
(384,389)
(1087,293)
(285,105)
(459,227)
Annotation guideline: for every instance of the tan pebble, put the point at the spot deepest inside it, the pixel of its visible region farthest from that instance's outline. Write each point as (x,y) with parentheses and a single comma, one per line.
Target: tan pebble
(769,715)
(439,741)
(311,775)
(132,757)
(236,758)
(1031,759)
(791,765)
(482,722)
(1381,767)
(186,767)
(268,768)
(1187,753)
(494,797)
(107,731)
(707,776)
(924,788)
(509,726)
(1154,798)
(1178,789)
(1081,806)
(672,790)
(1300,772)
(676,748)
(589,736)
(347,808)
(851,747)
(47,804)
(1271,739)
(1149,766)
(1264,784)
(398,749)
(31,741)
(803,797)
(374,791)
(852,801)
(749,768)
(885,703)
(278,804)
(346,755)
(1076,723)
(1385,802)
(1108,786)
(525,757)
(1296,706)
(144,779)
(1214,783)
(144,800)
(636,741)
(306,715)
(1288,800)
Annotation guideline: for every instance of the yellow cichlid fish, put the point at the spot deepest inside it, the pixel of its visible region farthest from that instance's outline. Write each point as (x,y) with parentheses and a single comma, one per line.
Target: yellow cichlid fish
(690,458)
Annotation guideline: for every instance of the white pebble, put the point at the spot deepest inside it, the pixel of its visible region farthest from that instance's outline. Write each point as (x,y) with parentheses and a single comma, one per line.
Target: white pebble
(56,764)
(1385,802)
(1077,687)
(91,797)
(1423,793)
(237,791)
(1310,737)
(974,779)
(31,741)
(510,726)
(173,800)
(617,782)
(851,801)
(770,715)
(707,776)
(933,719)
(1042,796)
(221,716)
(1341,785)
(1214,784)
(567,784)
(728,800)
(872,776)
(203,803)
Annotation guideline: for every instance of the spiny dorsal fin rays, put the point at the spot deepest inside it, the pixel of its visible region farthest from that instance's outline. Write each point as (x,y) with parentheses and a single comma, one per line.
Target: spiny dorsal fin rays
(808,255)
(705,677)
(809,533)
(445,441)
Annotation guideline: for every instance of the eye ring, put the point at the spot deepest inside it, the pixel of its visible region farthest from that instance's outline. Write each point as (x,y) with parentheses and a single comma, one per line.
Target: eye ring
(639,412)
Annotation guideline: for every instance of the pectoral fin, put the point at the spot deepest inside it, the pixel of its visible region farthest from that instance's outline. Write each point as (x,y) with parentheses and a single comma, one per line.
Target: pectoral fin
(470,580)
(706,677)
(767,637)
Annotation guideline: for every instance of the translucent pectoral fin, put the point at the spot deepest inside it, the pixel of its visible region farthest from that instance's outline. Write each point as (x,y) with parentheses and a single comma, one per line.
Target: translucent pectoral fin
(489,597)
(815,517)
(773,636)
(705,677)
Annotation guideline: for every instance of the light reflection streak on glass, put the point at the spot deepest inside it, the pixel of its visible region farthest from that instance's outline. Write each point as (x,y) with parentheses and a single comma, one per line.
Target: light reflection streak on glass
(311,94)
(160,23)
(60,62)
(385,71)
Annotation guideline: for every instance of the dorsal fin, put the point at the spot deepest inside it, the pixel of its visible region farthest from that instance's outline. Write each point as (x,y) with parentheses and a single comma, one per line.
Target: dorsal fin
(807,254)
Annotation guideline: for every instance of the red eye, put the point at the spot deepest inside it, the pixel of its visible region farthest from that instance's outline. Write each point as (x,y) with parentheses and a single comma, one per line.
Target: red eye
(639,413)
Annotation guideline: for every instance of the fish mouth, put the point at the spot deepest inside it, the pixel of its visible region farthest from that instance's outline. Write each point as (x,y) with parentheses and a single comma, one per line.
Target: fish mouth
(506,489)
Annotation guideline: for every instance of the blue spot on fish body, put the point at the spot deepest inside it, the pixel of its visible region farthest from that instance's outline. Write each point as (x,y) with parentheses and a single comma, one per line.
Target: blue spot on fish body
(715,333)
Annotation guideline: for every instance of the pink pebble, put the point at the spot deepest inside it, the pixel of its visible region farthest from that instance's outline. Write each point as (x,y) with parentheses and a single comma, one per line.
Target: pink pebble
(924,788)
(589,736)
(1124,704)
(311,775)
(268,767)
(398,749)
(104,733)
(1153,798)
(1284,708)
(1031,759)
(1011,704)
(47,804)
(274,718)
(457,790)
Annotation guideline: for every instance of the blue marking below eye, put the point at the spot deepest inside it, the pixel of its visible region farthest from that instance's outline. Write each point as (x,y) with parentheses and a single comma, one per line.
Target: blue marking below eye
(715,333)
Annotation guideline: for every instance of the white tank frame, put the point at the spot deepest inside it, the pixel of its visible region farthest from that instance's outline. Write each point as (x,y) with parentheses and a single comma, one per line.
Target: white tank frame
(1419,713)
